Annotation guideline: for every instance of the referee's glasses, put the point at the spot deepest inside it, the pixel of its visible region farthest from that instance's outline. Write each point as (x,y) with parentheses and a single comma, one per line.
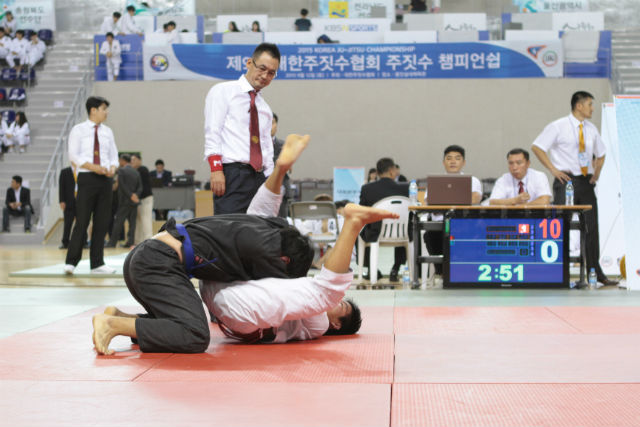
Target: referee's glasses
(262,70)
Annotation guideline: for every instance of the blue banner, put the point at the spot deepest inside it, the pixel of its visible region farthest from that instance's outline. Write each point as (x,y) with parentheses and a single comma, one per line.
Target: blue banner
(386,61)
(347,183)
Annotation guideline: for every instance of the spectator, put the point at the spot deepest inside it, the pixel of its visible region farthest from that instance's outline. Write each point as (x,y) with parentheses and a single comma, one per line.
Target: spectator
(286,183)
(162,173)
(418,6)
(5,43)
(111,24)
(128,23)
(173,36)
(399,176)
(67,198)
(371,193)
(144,219)
(8,23)
(7,128)
(324,39)
(35,50)
(18,132)
(232,28)
(17,203)
(18,50)
(129,192)
(255,27)
(303,23)
(373,175)
(111,49)
(93,151)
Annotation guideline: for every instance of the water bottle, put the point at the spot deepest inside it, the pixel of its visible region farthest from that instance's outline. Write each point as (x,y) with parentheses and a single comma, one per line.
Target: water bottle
(406,278)
(413,193)
(568,194)
(593,280)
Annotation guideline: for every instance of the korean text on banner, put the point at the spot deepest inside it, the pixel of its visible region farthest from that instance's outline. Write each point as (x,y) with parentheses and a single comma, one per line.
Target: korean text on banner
(347,183)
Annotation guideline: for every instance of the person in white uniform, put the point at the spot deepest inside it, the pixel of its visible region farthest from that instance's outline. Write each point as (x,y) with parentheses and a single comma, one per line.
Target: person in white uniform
(112,50)
(18,50)
(5,44)
(111,24)
(9,24)
(18,132)
(522,185)
(128,23)
(258,308)
(35,50)
(173,36)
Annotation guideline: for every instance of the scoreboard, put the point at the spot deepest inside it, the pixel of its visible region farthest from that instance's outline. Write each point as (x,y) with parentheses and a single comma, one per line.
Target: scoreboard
(506,252)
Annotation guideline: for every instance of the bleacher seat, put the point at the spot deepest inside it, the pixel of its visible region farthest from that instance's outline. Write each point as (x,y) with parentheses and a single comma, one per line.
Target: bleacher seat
(27,33)
(17,94)
(3,94)
(27,74)
(9,74)
(8,115)
(45,35)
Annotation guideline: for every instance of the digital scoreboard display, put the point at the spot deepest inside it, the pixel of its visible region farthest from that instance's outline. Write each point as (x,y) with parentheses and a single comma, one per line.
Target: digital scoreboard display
(506,252)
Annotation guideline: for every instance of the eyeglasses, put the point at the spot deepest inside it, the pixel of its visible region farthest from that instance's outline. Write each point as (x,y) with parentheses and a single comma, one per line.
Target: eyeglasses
(262,69)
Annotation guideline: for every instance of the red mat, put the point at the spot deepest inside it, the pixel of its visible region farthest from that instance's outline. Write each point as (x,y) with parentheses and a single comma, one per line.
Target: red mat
(515,405)
(112,404)
(479,320)
(517,359)
(601,320)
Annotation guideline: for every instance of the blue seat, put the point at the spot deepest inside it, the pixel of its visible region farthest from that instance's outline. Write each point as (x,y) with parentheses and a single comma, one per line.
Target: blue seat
(3,94)
(27,74)
(45,35)
(9,116)
(27,33)
(9,74)
(17,94)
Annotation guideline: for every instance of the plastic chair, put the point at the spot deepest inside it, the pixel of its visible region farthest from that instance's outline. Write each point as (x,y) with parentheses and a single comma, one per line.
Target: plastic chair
(316,211)
(27,75)
(394,232)
(9,116)
(45,35)
(3,94)
(27,33)
(9,74)
(17,94)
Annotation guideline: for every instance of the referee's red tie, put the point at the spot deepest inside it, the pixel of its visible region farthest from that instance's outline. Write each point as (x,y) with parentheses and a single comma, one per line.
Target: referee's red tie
(96,147)
(520,187)
(255,151)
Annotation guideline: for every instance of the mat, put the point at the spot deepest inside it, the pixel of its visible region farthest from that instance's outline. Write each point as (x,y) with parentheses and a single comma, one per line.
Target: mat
(83,269)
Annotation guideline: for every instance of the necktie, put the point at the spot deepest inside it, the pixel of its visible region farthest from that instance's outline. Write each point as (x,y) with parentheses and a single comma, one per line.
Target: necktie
(520,187)
(96,147)
(255,151)
(581,149)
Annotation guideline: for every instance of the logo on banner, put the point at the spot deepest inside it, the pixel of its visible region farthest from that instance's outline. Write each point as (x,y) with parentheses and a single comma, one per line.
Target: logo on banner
(338,9)
(535,50)
(159,63)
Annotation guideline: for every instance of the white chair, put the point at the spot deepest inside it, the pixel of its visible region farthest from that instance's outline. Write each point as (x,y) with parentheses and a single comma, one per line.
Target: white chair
(394,232)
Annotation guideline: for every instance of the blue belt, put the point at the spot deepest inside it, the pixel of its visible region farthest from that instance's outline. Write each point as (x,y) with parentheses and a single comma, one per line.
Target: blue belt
(188,249)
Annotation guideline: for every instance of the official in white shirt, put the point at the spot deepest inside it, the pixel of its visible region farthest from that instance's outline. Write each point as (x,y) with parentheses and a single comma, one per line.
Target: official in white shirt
(522,185)
(35,50)
(177,322)
(111,49)
(9,23)
(111,24)
(128,23)
(93,151)
(453,162)
(18,49)
(572,150)
(237,133)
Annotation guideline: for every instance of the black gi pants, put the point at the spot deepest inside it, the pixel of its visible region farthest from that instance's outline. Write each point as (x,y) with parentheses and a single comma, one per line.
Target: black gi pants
(584,194)
(175,321)
(241,184)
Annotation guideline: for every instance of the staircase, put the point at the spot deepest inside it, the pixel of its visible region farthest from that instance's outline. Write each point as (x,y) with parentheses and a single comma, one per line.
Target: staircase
(62,72)
(626,62)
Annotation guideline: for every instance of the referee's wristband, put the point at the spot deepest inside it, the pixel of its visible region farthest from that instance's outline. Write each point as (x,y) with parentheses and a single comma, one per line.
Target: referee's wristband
(215,162)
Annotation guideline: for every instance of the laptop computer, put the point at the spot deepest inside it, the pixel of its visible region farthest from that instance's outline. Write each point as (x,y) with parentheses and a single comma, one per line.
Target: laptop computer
(449,189)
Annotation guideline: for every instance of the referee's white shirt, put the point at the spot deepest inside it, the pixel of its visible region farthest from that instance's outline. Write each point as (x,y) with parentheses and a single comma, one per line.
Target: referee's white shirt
(81,139)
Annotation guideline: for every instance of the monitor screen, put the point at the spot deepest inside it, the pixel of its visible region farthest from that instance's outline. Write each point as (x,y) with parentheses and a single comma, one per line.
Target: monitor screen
(506,252)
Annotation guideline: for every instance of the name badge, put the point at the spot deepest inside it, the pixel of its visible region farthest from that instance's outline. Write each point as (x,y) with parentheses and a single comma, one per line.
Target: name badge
(583,159)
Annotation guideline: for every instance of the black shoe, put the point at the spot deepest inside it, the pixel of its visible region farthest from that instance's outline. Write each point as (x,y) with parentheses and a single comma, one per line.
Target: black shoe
(608,282)
(393,276)
(27,230)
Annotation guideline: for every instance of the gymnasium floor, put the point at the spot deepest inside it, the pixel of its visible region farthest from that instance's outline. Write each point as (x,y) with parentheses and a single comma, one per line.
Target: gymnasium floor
(423,358)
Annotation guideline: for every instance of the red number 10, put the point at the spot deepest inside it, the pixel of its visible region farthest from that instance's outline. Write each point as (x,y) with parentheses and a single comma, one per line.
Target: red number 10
(554,228)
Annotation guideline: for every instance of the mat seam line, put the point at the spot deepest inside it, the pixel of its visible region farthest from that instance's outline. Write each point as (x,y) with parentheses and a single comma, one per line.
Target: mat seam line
(564,320)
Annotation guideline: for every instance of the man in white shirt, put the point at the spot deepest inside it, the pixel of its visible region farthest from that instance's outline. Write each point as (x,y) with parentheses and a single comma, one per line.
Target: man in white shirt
(128,24)
(5,44)
(9,24)
(93,152)
(111,49)
(111,24)
(572,150)
(172,33)
(237,133)
(522,185)
(35,50)
(453,162)
(18,50)
(182,326)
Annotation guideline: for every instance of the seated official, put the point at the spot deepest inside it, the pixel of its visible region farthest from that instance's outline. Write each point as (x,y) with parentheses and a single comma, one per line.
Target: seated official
(17,203)
(453,162)
(522,185)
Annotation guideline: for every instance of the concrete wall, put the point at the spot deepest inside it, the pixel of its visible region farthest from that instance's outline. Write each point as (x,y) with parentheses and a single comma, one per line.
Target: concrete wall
(353,123)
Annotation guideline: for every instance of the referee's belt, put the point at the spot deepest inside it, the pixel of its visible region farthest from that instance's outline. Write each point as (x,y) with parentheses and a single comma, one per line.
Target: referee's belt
(240,165)
(586,177)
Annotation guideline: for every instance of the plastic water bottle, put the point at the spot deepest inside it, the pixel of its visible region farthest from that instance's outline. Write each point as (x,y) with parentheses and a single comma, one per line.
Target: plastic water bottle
(568,194)
(413,192)
(406,278)
(593,280)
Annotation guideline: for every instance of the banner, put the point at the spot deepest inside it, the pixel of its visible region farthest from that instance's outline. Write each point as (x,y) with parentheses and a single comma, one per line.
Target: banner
(581,21)
(353,8)
(31,14)
(347,183)
(628,124)
(390,61)
(552,5)
(378,25)
(178,7)
(610,218)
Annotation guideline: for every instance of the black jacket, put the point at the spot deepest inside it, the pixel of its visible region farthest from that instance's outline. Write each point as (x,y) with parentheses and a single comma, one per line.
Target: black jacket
(66,188)
(25,198)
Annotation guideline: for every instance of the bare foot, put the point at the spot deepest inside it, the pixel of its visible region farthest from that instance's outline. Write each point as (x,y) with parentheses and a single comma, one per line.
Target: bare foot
(361,215)
(102,334)
(114,311)
(293,146)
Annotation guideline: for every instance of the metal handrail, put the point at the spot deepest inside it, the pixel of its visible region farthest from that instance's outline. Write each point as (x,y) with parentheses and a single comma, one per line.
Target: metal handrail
(49,182)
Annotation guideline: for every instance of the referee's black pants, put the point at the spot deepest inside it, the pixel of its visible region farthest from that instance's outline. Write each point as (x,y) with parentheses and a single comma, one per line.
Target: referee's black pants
(241,184)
